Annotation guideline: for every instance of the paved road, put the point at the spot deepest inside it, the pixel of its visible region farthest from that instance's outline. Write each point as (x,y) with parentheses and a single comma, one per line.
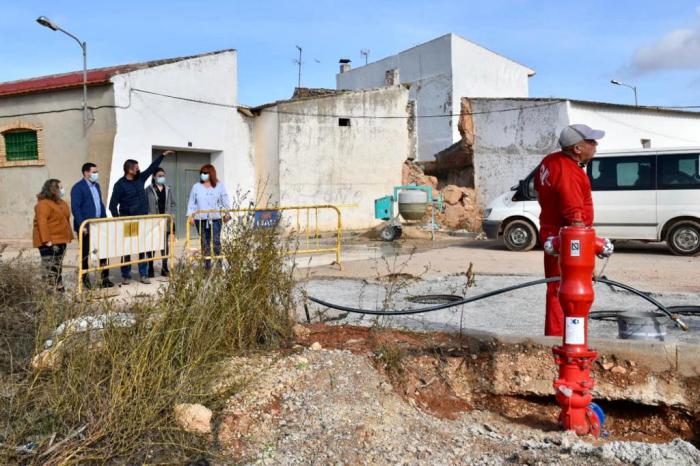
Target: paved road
(519,312)
(645,266)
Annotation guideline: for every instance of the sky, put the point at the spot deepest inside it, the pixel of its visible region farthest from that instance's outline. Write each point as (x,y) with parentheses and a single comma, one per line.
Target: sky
(575,47)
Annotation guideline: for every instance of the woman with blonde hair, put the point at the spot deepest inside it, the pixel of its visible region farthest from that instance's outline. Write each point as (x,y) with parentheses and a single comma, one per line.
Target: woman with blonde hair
(52,231)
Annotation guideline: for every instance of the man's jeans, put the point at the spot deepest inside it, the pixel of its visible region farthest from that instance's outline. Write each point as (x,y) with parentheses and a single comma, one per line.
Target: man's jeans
(143,267)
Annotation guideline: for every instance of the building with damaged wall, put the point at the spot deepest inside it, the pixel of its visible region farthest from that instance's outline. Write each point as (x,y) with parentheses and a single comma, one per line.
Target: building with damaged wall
(438,73)
(338,148)
(334,148)
(511,136)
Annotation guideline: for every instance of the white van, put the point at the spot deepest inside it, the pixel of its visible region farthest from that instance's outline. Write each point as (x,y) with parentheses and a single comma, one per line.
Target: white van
(641,194)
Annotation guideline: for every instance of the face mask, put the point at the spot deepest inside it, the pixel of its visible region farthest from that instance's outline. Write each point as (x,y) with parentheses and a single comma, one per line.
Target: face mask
(137,174)
(94,177)
(62,192)
(160,180)
(204,176)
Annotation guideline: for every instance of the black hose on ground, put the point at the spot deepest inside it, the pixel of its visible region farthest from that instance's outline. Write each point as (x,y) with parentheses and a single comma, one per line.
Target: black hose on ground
(439,307)
(685,310)
(661,307)
(613,315)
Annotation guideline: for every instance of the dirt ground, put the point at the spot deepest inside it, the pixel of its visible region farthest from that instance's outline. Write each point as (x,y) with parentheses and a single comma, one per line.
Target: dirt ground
(352,397)
(368,397)
(650,267)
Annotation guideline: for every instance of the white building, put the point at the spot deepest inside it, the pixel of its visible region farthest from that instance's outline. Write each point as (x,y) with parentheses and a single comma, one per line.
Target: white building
(439,73)
(323,150)
(137,110)
(188,105)
(511,136)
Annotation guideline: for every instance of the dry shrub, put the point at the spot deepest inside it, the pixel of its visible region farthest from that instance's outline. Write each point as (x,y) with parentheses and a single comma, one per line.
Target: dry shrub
(391,359)
(111,397)
(20,293)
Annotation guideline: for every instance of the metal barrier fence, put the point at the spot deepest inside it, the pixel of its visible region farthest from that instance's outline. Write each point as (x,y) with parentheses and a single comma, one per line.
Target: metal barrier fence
(304,221)
(117,237)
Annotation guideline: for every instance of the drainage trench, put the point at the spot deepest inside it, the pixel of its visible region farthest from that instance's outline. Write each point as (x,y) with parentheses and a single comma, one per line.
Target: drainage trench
(446,374)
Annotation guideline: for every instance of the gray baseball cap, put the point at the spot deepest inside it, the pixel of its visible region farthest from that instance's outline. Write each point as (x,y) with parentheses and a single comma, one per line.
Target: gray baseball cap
(573,134)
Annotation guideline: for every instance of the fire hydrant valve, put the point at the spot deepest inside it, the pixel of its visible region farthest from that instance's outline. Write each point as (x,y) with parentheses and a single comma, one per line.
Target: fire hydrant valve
(577,248)
(604,248)
(551,246)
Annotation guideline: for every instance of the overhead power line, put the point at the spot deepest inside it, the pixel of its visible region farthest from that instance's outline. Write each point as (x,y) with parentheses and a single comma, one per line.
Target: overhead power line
(319,115)
(327,115)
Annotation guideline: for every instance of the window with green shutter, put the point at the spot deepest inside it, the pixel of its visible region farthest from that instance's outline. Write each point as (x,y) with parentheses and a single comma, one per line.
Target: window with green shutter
(21,145)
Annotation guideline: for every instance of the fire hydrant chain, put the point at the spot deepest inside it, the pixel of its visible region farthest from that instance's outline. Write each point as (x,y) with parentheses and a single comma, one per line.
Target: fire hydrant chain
(602,270)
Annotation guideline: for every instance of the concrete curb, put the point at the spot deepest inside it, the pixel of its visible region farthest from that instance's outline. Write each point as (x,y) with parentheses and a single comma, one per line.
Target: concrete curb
(657,356)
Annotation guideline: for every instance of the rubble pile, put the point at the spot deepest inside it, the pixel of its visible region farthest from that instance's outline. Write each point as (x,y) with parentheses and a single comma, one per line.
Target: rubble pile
(460,207)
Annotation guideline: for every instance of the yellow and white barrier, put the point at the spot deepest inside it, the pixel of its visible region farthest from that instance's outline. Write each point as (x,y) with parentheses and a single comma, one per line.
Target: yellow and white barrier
(305,222)
(113,238)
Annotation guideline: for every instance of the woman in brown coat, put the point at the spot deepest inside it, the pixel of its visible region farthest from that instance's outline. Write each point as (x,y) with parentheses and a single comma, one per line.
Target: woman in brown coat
(52,231)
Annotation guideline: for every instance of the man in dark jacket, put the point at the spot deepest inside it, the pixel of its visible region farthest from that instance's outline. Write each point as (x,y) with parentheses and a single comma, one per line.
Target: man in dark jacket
(128,199)
(86,203)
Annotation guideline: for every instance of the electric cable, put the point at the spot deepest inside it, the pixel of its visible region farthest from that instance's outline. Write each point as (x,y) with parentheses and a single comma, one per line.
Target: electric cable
(329,115)
(439,307)
(72,109)
(282,112)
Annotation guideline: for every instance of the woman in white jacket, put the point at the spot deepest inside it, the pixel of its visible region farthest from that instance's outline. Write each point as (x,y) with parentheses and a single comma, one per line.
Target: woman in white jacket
(209,195)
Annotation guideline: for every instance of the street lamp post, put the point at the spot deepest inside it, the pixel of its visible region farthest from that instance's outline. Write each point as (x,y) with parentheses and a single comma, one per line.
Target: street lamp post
(46,22)
(634,88)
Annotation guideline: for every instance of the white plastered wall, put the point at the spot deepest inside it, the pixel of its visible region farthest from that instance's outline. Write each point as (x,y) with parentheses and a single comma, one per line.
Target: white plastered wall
(439,73)
(479,72)
(511,137)
(427,69)
(321,162)
(267,177)
(625,127)
(146,120)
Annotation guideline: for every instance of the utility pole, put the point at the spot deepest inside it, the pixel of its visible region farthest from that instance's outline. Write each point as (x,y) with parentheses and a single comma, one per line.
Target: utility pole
(298,62)
(365,53)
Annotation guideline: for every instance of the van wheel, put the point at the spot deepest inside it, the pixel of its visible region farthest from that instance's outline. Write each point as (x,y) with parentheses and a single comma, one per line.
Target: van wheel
(519,235)
(684,238)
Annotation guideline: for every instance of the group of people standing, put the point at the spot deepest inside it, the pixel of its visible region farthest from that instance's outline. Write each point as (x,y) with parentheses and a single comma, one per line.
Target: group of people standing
(53,231)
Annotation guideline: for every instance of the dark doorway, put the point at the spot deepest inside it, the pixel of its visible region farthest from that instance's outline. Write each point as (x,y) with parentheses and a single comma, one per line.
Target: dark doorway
(182,172)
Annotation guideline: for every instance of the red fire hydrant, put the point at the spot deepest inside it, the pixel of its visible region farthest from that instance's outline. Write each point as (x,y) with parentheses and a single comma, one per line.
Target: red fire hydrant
(577,248)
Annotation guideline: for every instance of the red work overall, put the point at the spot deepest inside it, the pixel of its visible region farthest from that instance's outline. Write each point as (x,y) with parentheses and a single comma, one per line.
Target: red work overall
(564,194)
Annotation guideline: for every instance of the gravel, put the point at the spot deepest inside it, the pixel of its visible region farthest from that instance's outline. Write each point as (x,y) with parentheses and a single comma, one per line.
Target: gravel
(334,407)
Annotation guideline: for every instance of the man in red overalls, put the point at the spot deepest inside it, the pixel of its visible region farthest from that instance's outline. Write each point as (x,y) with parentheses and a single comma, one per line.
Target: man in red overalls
(564,194)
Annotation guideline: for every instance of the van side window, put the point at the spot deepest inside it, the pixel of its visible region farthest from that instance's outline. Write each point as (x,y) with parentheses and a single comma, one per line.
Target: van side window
(679,171)
(622,173)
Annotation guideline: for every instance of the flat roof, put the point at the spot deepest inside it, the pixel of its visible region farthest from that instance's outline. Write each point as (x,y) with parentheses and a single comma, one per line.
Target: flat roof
(530,71)
(593,103)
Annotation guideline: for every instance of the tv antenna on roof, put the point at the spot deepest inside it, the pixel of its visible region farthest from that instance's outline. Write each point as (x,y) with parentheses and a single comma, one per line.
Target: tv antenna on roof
(298,63)
(365,53)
